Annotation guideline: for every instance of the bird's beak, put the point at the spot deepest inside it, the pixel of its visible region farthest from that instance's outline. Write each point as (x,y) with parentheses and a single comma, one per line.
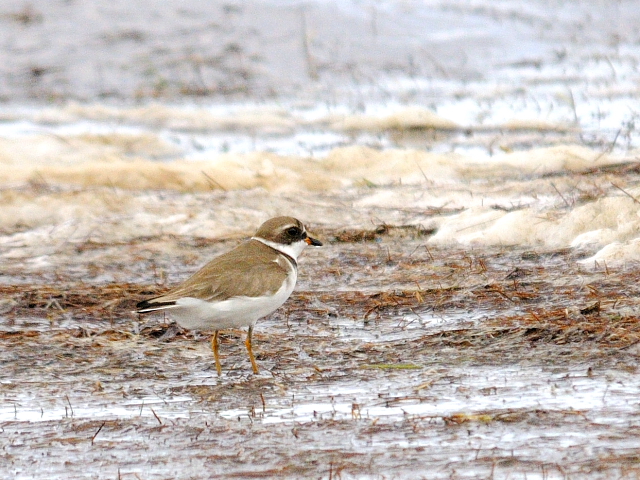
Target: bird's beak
(313,241)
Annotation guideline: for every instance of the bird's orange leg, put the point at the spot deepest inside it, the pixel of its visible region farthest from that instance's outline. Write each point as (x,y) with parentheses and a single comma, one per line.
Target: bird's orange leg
(249,349)
(216,355)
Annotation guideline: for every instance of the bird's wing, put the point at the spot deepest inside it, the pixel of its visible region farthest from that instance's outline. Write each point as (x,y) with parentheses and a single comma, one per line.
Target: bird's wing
(231,277)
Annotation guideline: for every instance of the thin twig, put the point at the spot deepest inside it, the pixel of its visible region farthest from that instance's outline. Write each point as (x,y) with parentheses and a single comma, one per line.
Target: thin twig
(96,434)
(212,180)
(69,402)
(626,193)
(155,415)
(429,252)
(561,196)
(609,149)
(421,171)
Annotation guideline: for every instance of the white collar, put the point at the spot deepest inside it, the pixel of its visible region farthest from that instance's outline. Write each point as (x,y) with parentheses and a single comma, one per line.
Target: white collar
(293,250)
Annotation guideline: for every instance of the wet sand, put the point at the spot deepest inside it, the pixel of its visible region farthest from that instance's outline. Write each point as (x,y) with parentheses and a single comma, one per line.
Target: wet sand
(471,167)
(392,358)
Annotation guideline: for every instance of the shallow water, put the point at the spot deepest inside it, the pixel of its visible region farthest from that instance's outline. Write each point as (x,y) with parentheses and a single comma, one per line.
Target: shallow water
(508,374)
(471,167)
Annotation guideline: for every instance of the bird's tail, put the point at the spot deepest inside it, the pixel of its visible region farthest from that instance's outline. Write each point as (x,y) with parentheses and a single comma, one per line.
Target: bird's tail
(153,305)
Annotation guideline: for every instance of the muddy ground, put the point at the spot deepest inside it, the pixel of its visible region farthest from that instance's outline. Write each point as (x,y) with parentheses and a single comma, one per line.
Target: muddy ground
(391,360)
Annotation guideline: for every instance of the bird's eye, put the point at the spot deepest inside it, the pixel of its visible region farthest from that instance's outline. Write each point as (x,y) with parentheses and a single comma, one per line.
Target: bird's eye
(293,231)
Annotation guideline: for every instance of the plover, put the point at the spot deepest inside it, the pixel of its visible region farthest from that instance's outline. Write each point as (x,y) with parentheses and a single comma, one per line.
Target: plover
(237,288)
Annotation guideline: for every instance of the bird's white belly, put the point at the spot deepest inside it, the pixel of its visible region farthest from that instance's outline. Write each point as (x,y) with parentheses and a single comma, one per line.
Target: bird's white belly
(196,314)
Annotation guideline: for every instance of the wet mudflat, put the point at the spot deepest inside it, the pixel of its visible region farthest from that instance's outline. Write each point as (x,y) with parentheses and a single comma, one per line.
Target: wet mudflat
(484,324)
(392,359)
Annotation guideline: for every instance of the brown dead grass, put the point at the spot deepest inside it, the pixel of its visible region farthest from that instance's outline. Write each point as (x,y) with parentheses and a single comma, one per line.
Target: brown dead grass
(72,343)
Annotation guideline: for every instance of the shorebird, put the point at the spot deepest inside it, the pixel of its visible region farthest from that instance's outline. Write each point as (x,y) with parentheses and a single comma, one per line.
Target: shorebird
(237,288)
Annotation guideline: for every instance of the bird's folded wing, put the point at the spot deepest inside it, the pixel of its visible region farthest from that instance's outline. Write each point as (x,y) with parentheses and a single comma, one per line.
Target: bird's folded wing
(230,278)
